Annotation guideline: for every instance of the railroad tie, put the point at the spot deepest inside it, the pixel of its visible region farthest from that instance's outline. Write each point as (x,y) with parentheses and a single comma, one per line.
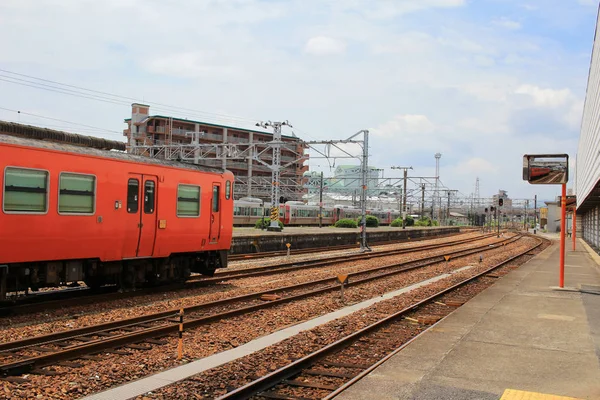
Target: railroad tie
(38,371)
(70,364)
(14,379)
(41,349)
(309,385)
(139,346)
(155,341)
(316,372)
(119,352)
(279,396)
(346,365)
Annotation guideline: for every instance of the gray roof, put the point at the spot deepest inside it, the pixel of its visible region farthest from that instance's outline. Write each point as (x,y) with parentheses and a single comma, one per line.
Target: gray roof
(115,155)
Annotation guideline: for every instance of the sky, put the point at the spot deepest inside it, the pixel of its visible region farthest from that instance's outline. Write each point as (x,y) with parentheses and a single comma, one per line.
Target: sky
(480,81)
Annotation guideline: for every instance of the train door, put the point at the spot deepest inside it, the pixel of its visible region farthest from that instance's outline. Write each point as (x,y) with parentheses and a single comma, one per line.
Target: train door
(147,217)
(140,218)
(215,213)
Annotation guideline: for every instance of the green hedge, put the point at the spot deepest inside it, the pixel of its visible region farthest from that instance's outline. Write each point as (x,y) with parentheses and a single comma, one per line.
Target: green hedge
(265,223)
(372,221)
(346,223)
(397,223)
(426,221)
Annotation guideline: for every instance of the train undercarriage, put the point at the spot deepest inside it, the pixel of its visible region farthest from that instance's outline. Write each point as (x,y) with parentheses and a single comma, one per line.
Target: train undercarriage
(125,274)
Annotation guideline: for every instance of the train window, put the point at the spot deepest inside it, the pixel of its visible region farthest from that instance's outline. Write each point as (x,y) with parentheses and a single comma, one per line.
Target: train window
(215,202)
(149,197)
(133,190)
(25,190)
(188,201)
(76,193)
(227,190)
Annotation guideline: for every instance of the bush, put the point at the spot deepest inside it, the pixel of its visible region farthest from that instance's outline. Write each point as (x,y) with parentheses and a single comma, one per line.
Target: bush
(397,223)
(410,221)
(265,223)
(346,223)
(372,221)
(426,221)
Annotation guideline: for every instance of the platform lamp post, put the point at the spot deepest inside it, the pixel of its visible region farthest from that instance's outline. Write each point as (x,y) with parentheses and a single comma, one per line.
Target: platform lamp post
(551,169)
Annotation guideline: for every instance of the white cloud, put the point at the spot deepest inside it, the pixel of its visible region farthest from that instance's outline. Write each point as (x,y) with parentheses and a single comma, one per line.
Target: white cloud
(546,97)
(507,23)
(386,9)
(477,164)
(405,126)
(324,45)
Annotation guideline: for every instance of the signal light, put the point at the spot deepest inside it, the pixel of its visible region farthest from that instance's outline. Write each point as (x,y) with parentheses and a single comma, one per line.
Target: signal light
(500,202)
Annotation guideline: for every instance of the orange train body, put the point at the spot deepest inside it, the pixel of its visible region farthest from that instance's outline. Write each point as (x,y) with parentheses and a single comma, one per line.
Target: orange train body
(135,232)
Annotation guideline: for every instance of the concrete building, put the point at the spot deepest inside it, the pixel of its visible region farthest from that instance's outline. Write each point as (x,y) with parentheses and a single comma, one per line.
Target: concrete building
(145,129)
(587,170)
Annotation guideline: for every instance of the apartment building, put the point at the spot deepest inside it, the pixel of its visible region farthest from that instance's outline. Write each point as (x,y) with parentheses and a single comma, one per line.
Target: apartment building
(252,177)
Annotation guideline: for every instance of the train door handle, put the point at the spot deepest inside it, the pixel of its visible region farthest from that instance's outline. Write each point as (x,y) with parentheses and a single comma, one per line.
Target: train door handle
(212,218)
(140,225)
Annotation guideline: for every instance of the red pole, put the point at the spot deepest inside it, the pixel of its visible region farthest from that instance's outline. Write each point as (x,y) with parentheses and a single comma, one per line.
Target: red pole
(574,228)
(563,229)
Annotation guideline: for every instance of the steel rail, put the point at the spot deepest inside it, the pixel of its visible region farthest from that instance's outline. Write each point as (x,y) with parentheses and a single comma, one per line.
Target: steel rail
(299,265)
(87,298)
(98,345)
(272,379)
(295,252)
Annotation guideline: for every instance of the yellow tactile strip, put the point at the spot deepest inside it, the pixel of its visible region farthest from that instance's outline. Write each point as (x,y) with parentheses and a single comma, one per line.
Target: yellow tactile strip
(512,394)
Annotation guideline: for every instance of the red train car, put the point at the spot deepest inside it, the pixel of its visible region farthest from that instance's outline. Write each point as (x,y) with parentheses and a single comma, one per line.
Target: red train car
(80,214)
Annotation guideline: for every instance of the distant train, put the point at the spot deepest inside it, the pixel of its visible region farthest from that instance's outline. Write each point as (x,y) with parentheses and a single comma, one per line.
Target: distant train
(247,211)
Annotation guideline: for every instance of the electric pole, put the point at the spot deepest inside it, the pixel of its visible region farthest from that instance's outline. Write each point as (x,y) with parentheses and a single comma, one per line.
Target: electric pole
(535,214)
(436,198)
(448,210)
(321,202)
(275,170)
(422,200)
(405,194)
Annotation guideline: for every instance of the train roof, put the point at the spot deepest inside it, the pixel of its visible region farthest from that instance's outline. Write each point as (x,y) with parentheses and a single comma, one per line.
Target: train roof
(115,155)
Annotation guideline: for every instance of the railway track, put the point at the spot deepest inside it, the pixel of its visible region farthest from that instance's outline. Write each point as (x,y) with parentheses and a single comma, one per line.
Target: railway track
(301,265)
(108,293)
(328,371)
(268,254)
(32,354)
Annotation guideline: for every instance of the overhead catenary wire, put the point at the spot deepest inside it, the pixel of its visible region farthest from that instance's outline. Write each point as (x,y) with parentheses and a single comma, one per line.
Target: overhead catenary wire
(110,97)
(62,120)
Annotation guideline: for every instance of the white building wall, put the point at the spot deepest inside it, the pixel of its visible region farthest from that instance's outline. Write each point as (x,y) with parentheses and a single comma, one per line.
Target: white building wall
(588,153)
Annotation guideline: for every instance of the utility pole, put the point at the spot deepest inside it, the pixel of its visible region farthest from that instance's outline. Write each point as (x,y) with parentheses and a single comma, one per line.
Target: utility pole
(526,216)
(321,202)
(448,210)
(405,194)
(535,214)
(436,198)
(364,169)
(275,170)
(422,200)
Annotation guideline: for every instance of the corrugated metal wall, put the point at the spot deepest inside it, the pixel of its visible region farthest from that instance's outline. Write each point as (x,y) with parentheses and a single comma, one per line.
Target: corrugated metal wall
(588,153)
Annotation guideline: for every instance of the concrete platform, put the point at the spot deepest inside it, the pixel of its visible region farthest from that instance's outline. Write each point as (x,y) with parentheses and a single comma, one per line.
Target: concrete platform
(250,240)
(518,334)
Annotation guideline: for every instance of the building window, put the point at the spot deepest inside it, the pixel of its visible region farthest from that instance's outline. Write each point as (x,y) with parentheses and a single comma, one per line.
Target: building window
(188,201)
(227,190)
(133,190)
(76,193)
(25,190)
